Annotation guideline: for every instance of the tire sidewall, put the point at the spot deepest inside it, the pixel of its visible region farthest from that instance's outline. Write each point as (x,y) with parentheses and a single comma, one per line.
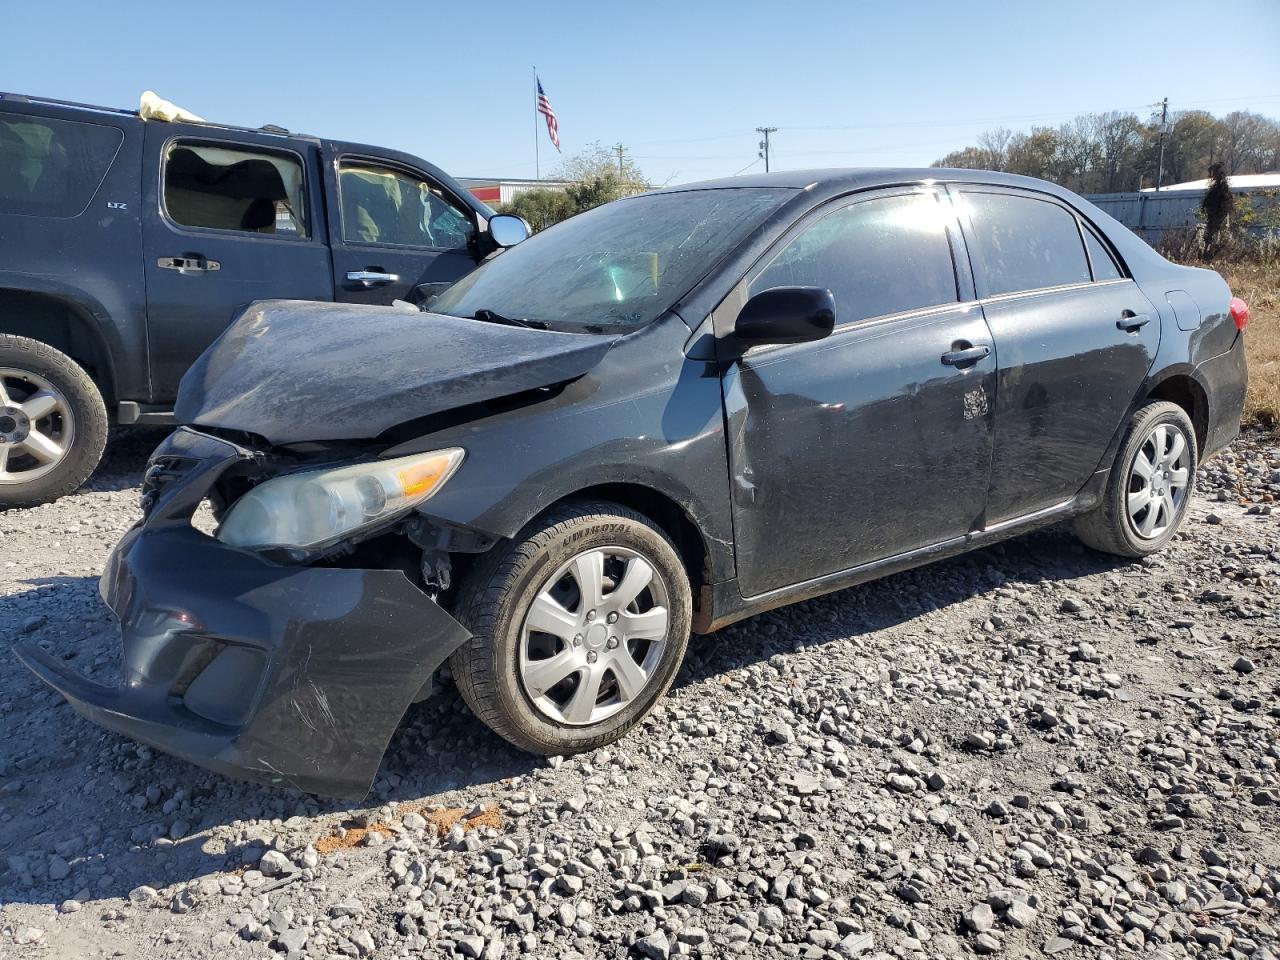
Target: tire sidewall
(1142,426)
(88,409)
(592,532)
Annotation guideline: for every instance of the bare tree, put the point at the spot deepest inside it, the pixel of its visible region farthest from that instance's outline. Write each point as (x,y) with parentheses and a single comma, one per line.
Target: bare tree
(1077,155)
(995,144)
(1118,151)
(1031,154)
(1119,137)
(1244,137)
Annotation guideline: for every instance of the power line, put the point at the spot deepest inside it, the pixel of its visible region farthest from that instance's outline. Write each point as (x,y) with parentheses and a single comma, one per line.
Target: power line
(718,136)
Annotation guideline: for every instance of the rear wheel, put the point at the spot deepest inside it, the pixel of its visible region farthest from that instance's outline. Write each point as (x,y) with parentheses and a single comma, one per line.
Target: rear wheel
(53,424)
(577,629)
(1149,487)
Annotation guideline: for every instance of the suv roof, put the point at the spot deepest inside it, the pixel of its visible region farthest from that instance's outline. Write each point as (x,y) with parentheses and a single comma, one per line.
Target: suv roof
(270,128)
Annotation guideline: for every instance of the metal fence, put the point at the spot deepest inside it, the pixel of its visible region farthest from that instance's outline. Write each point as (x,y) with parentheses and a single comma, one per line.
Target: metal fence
(1151,215)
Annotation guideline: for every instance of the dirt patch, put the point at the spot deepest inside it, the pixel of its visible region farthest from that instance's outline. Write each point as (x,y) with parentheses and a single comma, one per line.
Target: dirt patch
(348,837)
(446,819)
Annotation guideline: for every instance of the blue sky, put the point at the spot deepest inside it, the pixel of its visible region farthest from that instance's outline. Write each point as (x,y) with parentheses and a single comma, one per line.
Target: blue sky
(682,85)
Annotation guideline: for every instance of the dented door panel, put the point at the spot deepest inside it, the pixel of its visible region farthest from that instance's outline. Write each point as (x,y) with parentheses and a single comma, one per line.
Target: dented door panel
(858,447)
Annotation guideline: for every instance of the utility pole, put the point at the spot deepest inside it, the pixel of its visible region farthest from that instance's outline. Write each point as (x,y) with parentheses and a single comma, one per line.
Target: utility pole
(1164,123)
(618,149)
(764,144)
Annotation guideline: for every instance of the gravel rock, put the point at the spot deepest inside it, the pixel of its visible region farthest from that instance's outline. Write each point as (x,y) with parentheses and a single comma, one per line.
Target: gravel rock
(655,946)
(144,895)
(274,863)
(980,918)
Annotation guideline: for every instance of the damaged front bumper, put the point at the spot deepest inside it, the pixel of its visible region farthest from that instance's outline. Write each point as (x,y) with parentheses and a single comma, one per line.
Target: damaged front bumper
(291,675)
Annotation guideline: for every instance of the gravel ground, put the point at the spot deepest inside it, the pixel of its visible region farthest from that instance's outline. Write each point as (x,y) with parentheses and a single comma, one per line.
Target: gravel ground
(1032,750)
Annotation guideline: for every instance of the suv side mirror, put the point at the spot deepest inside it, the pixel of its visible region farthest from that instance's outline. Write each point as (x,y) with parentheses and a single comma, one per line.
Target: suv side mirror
(507,230)
(786,315)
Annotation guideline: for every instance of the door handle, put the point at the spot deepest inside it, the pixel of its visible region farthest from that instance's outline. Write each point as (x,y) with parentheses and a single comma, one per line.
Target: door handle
(1131,322)
(957,358)
(371,278)
(188,264)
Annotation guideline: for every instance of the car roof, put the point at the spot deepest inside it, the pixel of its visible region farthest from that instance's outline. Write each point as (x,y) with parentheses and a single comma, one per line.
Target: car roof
(835,179)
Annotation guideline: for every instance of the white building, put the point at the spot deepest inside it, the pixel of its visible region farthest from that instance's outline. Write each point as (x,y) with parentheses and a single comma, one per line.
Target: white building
(1238,181)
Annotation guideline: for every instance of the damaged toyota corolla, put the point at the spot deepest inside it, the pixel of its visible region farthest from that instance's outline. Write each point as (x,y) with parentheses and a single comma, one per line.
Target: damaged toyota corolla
(654,419)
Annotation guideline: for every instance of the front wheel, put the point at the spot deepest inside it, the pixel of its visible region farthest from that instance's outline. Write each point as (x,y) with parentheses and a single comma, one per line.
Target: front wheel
(53,424)
(577,629)
(1150,485)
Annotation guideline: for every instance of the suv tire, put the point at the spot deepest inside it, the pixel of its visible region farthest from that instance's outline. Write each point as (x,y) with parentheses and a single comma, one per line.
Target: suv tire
(53,423)
(604,659)
(1149,487)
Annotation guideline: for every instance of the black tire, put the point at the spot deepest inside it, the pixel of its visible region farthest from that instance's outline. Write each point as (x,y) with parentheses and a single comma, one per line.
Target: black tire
(88,414)
(1109,527)
(495,596)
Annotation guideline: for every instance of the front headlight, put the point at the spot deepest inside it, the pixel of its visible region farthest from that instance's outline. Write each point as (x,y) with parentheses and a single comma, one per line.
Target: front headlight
(317,507)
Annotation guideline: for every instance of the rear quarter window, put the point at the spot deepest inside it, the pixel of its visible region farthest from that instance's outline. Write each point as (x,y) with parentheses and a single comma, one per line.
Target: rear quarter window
(50,167)
(1104,265)
(1023,243)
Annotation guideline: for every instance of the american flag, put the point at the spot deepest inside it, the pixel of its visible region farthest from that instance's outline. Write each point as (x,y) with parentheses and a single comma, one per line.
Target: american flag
(544,108)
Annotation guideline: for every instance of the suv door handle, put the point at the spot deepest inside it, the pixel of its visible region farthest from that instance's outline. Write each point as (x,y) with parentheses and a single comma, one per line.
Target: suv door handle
(1131,322)
(958,358)
(188,264)
(370,278)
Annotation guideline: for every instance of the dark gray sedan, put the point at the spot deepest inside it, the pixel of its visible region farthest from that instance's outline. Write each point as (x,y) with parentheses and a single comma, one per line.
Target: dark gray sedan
(658,417)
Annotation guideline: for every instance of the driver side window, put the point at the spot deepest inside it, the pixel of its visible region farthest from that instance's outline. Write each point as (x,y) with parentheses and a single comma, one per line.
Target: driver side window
(394,208)
(877,257)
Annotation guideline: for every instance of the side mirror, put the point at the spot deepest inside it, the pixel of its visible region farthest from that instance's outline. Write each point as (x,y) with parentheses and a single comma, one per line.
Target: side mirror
(507,230)
(786,315)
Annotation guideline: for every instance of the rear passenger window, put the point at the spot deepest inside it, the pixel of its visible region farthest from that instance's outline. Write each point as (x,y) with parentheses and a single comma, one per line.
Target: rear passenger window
(1022,243)
(877,257)
(223,188)
(1104,265)
(52,168)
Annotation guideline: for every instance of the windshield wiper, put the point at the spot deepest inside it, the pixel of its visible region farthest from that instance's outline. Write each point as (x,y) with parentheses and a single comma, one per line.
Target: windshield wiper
(490,316)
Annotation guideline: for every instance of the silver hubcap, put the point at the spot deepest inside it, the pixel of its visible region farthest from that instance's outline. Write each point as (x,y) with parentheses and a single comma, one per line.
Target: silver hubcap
(594,636)
(36,426)
(1158,481)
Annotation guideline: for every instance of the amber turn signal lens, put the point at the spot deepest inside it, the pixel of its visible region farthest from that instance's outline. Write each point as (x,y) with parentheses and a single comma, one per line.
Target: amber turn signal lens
(421,477)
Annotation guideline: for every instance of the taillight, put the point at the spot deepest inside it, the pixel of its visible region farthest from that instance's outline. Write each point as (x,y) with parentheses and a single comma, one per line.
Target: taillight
(1239,313)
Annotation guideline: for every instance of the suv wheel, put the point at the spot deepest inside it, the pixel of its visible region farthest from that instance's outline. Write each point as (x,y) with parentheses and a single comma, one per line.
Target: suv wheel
(53,424)
(1149,487)
(577,629)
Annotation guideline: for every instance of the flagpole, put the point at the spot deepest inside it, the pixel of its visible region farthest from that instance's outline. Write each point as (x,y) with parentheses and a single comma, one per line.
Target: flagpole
(537,156)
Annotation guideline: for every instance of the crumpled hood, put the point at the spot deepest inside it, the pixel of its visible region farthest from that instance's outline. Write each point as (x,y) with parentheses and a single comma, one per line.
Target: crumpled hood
(295,370)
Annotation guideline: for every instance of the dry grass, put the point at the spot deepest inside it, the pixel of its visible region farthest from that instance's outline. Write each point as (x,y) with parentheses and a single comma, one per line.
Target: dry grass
(1259,286)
